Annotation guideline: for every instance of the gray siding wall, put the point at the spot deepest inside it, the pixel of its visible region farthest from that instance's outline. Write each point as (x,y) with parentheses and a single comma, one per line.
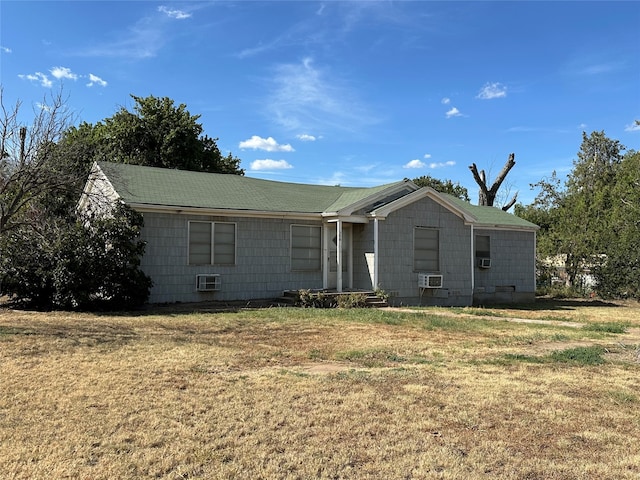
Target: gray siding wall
(511,277)
(262,267)
(397,276)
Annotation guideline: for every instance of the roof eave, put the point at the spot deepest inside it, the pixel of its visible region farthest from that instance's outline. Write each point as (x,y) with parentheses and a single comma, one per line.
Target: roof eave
(424,192)
(396,187)
(186,210)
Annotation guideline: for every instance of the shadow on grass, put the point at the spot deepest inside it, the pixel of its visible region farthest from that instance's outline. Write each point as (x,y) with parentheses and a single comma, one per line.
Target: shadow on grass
(545,303)
(76,332)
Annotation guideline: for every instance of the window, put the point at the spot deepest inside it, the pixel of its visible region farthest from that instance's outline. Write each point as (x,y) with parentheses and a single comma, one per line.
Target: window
(212,243)
(306,248)
(426,249)
(483,246)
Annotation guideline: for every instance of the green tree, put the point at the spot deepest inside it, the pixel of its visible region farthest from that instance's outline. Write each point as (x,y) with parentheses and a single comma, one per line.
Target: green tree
(592,219)
(618,274)
(48,258)
(443,186)
(156,133)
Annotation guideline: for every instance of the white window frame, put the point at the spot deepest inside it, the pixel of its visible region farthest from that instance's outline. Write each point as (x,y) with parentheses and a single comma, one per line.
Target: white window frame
(212,243)
(316,258)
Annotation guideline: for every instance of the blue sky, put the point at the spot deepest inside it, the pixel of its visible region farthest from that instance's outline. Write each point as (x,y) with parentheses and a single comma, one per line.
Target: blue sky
(350,93)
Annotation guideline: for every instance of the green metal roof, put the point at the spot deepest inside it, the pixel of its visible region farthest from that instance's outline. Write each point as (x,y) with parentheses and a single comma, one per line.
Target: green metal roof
(490,216)
(180,188)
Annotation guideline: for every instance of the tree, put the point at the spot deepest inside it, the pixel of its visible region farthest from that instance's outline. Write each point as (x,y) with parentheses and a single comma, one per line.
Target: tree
(443,186)
(592,220)
(27,172)
(487,195)
(48,257)
(618,274)
(157,133)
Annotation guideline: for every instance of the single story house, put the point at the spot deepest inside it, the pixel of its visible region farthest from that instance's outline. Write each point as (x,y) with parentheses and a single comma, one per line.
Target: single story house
(228,237)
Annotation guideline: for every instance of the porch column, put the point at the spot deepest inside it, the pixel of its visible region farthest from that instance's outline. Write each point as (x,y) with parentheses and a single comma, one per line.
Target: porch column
(473,256)
(376,279)
(339,255)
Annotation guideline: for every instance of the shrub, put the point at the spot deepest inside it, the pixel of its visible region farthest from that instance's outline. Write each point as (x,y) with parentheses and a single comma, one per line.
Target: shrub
(76,266)
(352,300)
(307,298)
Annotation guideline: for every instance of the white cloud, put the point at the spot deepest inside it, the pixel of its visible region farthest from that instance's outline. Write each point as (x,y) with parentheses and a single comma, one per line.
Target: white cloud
(95,80)
(445,101)
(633,127)
(307,98)
(38,77)
(43,106)
(306,138)
(268,144)
(434,165)
(268,164)
(177,14)
(414,164)
(454,112)
(427,155)
(63,72)
(492,90)
(5,49)
(336,179)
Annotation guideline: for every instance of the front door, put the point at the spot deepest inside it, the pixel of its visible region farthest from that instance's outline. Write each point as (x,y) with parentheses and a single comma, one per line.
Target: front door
(331,238)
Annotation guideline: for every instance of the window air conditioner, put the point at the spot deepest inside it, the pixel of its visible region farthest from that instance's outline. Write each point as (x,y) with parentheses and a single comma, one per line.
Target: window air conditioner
(208,282)
(484,263)
(429,281)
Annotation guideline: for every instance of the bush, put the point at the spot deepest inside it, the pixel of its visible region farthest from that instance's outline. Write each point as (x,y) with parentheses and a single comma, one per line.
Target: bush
(76,266)
(313,299)
(352,300)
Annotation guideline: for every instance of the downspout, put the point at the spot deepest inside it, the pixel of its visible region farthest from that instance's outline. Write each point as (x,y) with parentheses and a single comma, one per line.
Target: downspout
(325,256)
(376,280)
(535,252)
(339,256)
(473,272)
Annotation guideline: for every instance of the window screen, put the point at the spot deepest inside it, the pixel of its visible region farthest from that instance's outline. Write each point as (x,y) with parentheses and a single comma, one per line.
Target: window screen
(426,249)
(483,246)
(212,243)
(306,248)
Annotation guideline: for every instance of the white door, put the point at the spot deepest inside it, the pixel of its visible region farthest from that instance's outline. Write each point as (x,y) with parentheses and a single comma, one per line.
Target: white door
(332,261)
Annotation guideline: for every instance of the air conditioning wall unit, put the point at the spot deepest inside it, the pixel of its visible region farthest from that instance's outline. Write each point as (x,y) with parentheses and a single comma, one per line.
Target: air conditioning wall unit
(426,280)
(209,282)
(484,263)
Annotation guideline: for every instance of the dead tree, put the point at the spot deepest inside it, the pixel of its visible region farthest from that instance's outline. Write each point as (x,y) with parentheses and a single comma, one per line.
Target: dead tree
(487,196)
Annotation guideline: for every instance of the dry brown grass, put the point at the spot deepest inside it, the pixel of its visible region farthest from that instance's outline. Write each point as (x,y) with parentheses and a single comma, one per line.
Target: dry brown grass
(298,394)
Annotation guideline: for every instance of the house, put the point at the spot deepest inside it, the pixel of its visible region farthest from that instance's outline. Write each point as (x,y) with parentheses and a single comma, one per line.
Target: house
(228,237)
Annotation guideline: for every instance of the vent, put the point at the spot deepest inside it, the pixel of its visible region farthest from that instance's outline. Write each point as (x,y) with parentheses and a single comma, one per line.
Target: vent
(484,263)
(429,281)
(208,282)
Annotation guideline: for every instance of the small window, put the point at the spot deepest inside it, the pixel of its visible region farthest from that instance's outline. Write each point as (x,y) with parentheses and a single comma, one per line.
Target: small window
(426,249)
(483,246)
(306,248)
(212,243)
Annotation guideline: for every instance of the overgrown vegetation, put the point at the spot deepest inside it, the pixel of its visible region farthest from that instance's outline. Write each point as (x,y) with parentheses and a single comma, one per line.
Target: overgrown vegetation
(49,257)
(589,238)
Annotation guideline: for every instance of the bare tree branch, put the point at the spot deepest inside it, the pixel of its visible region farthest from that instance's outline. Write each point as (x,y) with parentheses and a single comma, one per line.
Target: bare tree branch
(487,196)
(27,172)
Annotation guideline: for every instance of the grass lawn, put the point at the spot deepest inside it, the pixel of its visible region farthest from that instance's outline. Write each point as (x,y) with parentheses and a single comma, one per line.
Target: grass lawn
(549,391)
